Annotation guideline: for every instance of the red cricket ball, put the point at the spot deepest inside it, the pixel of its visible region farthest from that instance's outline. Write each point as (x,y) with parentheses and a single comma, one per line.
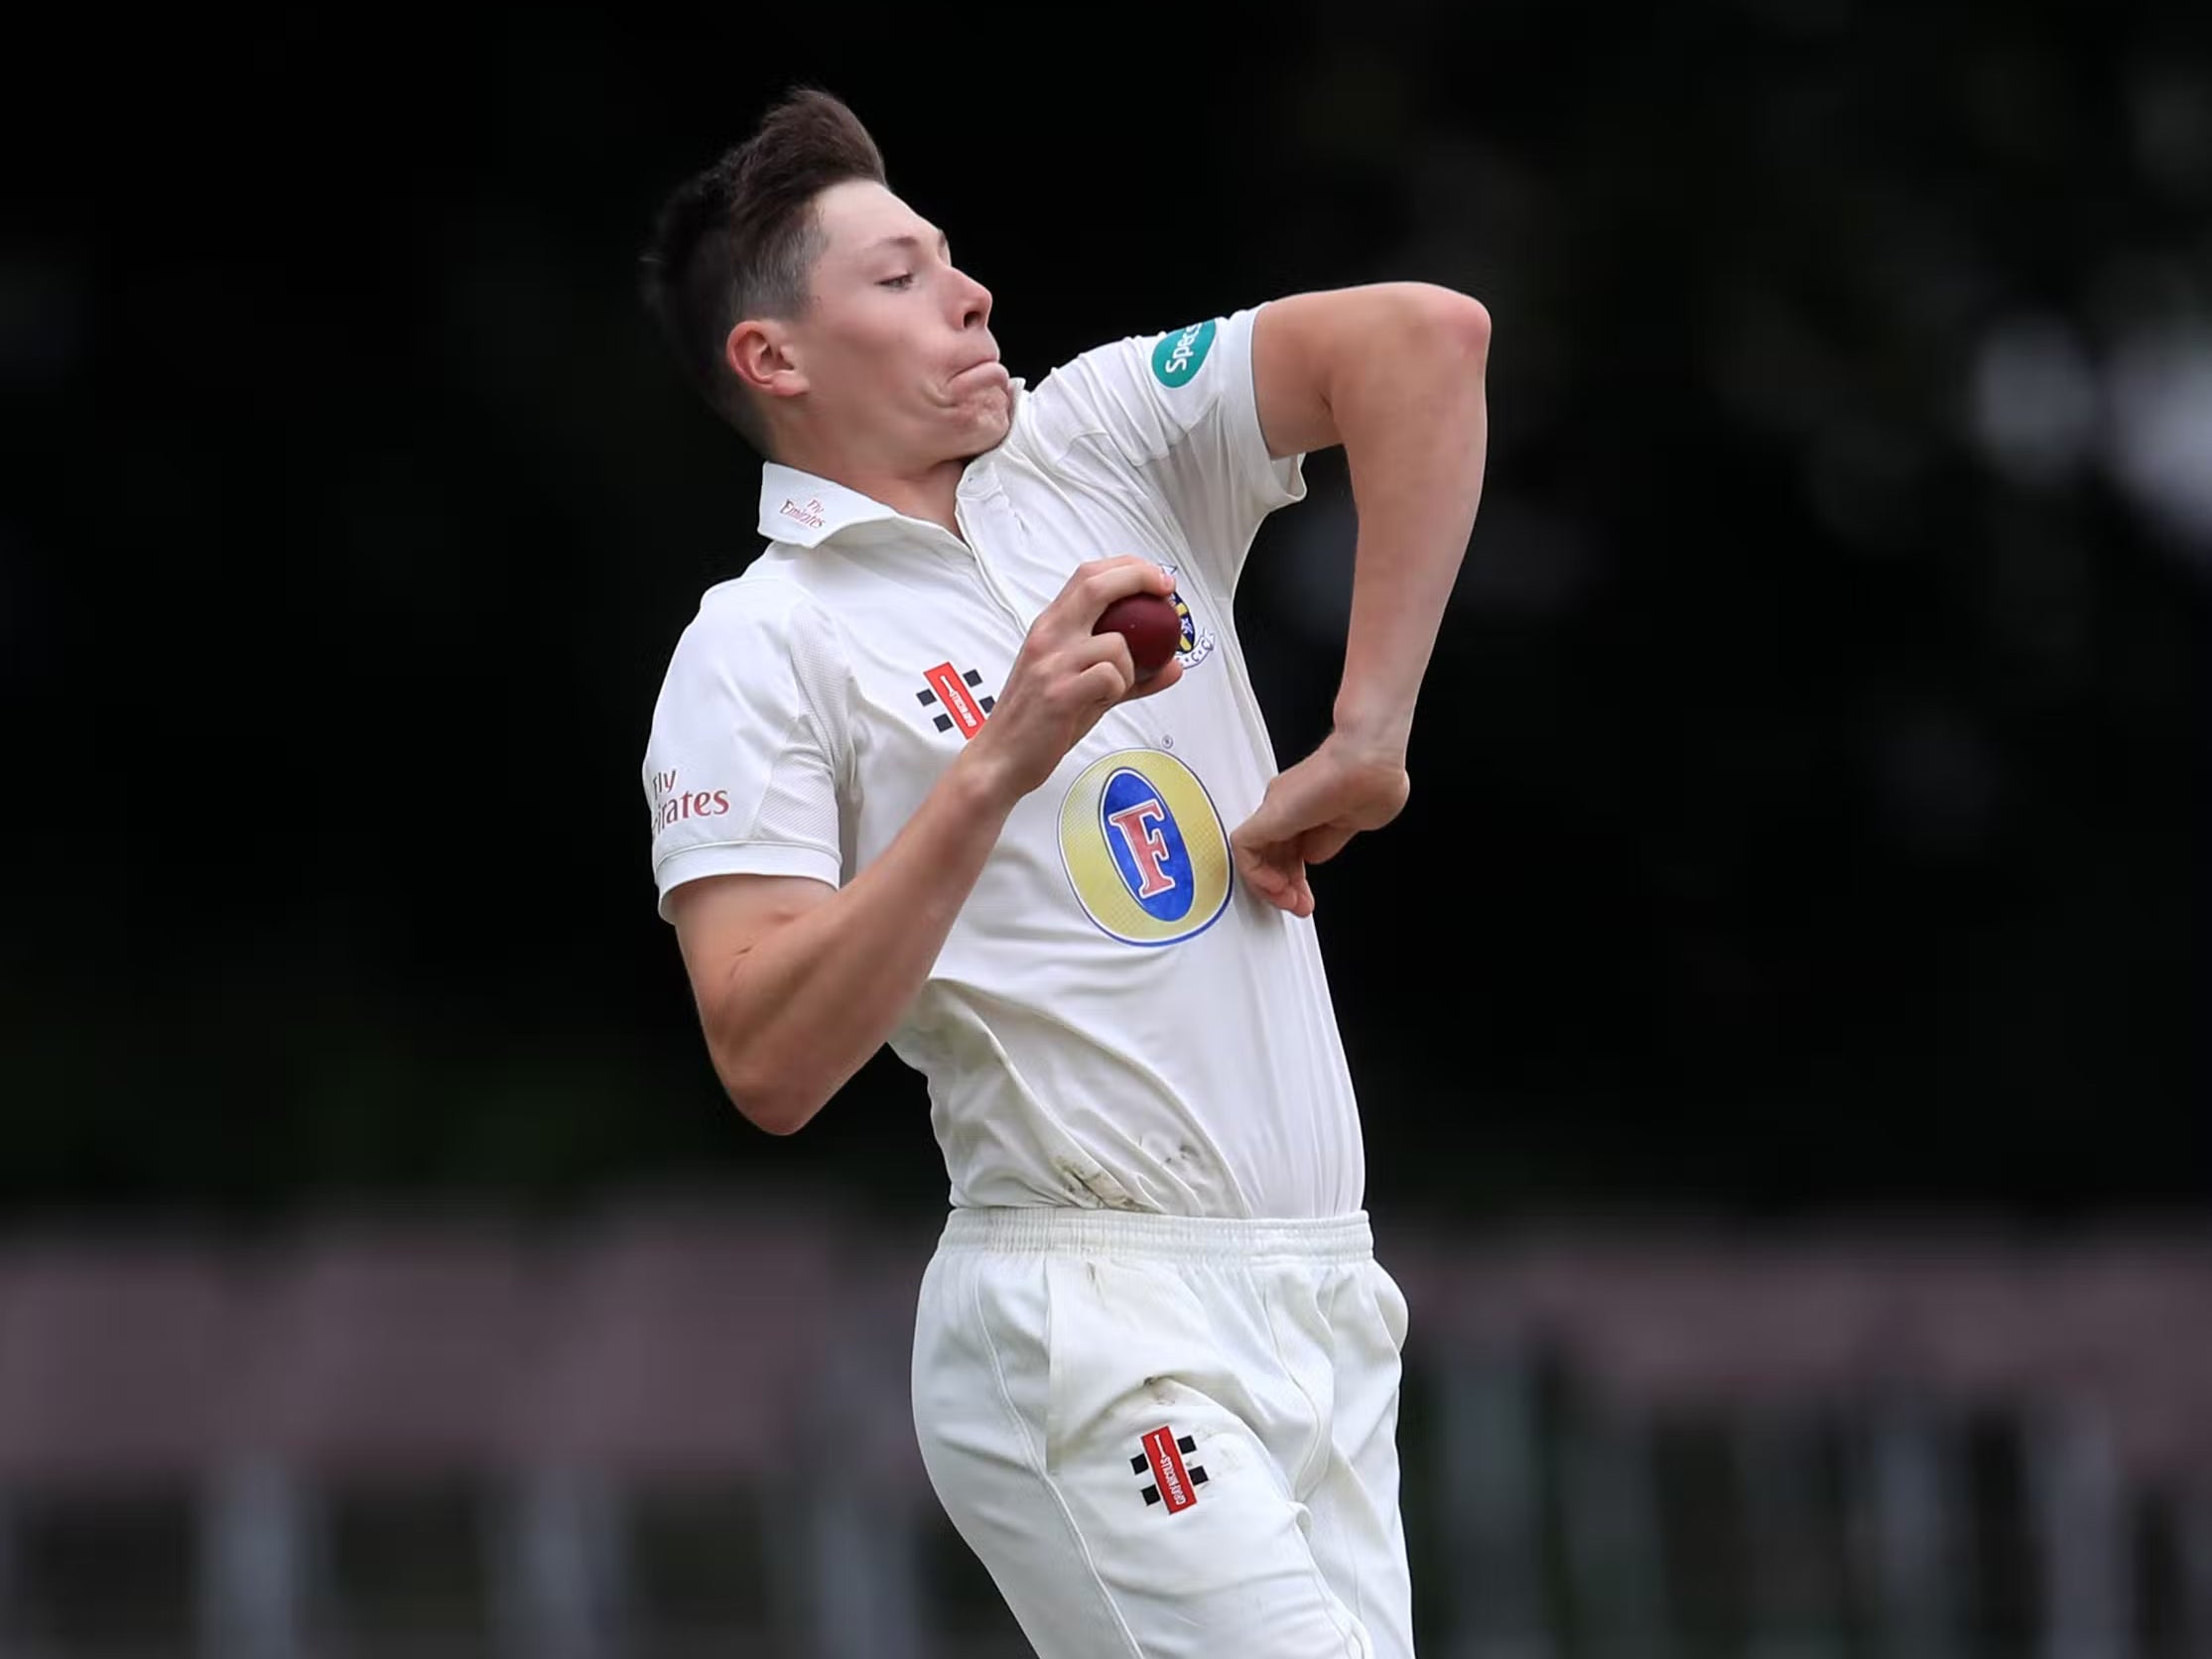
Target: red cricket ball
(1152,626)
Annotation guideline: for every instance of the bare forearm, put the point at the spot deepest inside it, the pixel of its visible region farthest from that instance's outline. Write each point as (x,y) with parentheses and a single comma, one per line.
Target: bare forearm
(805,1008)
(1412,412)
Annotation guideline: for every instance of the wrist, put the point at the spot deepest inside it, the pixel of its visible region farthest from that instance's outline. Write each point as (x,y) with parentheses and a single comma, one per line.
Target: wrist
(980,783)
(1370,731)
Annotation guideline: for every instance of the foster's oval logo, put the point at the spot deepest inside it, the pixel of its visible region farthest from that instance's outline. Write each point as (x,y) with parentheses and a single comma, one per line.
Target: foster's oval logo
(1144,848)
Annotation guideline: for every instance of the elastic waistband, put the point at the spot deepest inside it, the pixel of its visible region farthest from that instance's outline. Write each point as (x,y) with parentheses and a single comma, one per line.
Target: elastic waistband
(1047,1230)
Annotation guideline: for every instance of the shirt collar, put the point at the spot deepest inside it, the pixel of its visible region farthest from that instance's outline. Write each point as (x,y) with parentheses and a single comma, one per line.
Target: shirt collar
(805,509)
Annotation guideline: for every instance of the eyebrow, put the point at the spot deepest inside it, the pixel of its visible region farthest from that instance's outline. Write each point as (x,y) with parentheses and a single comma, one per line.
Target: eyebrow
(944,247)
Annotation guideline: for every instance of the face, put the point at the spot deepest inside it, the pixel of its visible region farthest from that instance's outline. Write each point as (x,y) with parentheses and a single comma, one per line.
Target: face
(894,357)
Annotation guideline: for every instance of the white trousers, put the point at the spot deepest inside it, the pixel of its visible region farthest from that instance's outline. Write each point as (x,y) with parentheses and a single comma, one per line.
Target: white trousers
(1170,1437)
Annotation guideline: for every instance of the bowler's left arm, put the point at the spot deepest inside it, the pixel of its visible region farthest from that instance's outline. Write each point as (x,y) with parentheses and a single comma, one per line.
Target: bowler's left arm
(1394,374)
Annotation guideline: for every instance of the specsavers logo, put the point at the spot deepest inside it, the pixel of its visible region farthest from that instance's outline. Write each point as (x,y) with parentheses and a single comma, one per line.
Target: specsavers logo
(1178,356)
(1144,848)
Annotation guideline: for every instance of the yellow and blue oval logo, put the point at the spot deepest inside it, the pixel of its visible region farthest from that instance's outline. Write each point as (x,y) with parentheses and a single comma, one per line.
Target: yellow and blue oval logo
(1144,848)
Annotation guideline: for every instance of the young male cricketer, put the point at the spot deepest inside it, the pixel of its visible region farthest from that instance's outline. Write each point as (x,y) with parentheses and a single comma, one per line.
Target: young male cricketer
(901,793)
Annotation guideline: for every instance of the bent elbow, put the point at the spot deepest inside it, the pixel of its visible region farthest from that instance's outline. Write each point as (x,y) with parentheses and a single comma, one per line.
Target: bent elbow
(1460,321)
(781,1122)
(763,1098)
(761,1113)
(779,1112)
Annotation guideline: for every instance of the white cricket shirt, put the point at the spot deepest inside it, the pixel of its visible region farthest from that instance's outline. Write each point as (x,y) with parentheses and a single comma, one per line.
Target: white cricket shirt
(1113,1019)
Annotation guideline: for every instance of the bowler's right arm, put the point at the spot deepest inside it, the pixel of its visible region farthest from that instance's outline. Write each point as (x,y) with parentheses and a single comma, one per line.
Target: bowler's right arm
(798,983)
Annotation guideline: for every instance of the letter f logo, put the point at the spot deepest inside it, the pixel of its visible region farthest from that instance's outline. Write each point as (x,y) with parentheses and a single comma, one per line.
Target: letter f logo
(1145,844)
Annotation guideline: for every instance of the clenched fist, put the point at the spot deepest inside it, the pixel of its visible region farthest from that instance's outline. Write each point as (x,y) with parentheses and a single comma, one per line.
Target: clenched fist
(1066,677)
(1311,811)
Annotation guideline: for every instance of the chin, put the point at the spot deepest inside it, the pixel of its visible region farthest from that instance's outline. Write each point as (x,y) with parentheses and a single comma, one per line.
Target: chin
(987,426)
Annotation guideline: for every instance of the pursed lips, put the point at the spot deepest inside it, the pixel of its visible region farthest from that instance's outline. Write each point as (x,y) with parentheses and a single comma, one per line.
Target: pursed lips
(984,367)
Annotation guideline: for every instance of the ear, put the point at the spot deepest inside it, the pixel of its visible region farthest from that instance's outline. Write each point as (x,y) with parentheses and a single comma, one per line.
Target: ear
(762,355)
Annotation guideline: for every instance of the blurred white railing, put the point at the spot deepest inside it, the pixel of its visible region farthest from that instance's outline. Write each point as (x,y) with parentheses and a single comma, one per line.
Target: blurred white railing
(679,1430)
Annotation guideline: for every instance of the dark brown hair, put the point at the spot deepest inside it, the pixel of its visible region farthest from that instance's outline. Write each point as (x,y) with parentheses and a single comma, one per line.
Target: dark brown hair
(739,239)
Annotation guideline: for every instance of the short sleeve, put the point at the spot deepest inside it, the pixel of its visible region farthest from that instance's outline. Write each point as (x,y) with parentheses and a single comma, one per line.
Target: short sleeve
(1178,415)
(742,767)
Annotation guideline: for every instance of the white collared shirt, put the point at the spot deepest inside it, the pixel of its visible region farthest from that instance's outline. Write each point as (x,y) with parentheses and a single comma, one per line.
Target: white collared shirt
(1113,1020)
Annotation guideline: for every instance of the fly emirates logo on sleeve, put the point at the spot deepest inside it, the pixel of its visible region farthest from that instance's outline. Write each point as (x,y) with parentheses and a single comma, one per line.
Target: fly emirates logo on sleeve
(673,804)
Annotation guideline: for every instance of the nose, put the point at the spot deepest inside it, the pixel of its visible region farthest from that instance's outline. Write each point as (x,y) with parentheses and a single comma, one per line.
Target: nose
(975,302)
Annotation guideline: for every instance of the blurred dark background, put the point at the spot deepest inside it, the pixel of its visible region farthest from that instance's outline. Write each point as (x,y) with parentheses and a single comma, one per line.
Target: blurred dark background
(1809,806)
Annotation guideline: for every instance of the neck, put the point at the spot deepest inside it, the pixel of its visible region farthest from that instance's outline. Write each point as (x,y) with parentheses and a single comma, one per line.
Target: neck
(931,497)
